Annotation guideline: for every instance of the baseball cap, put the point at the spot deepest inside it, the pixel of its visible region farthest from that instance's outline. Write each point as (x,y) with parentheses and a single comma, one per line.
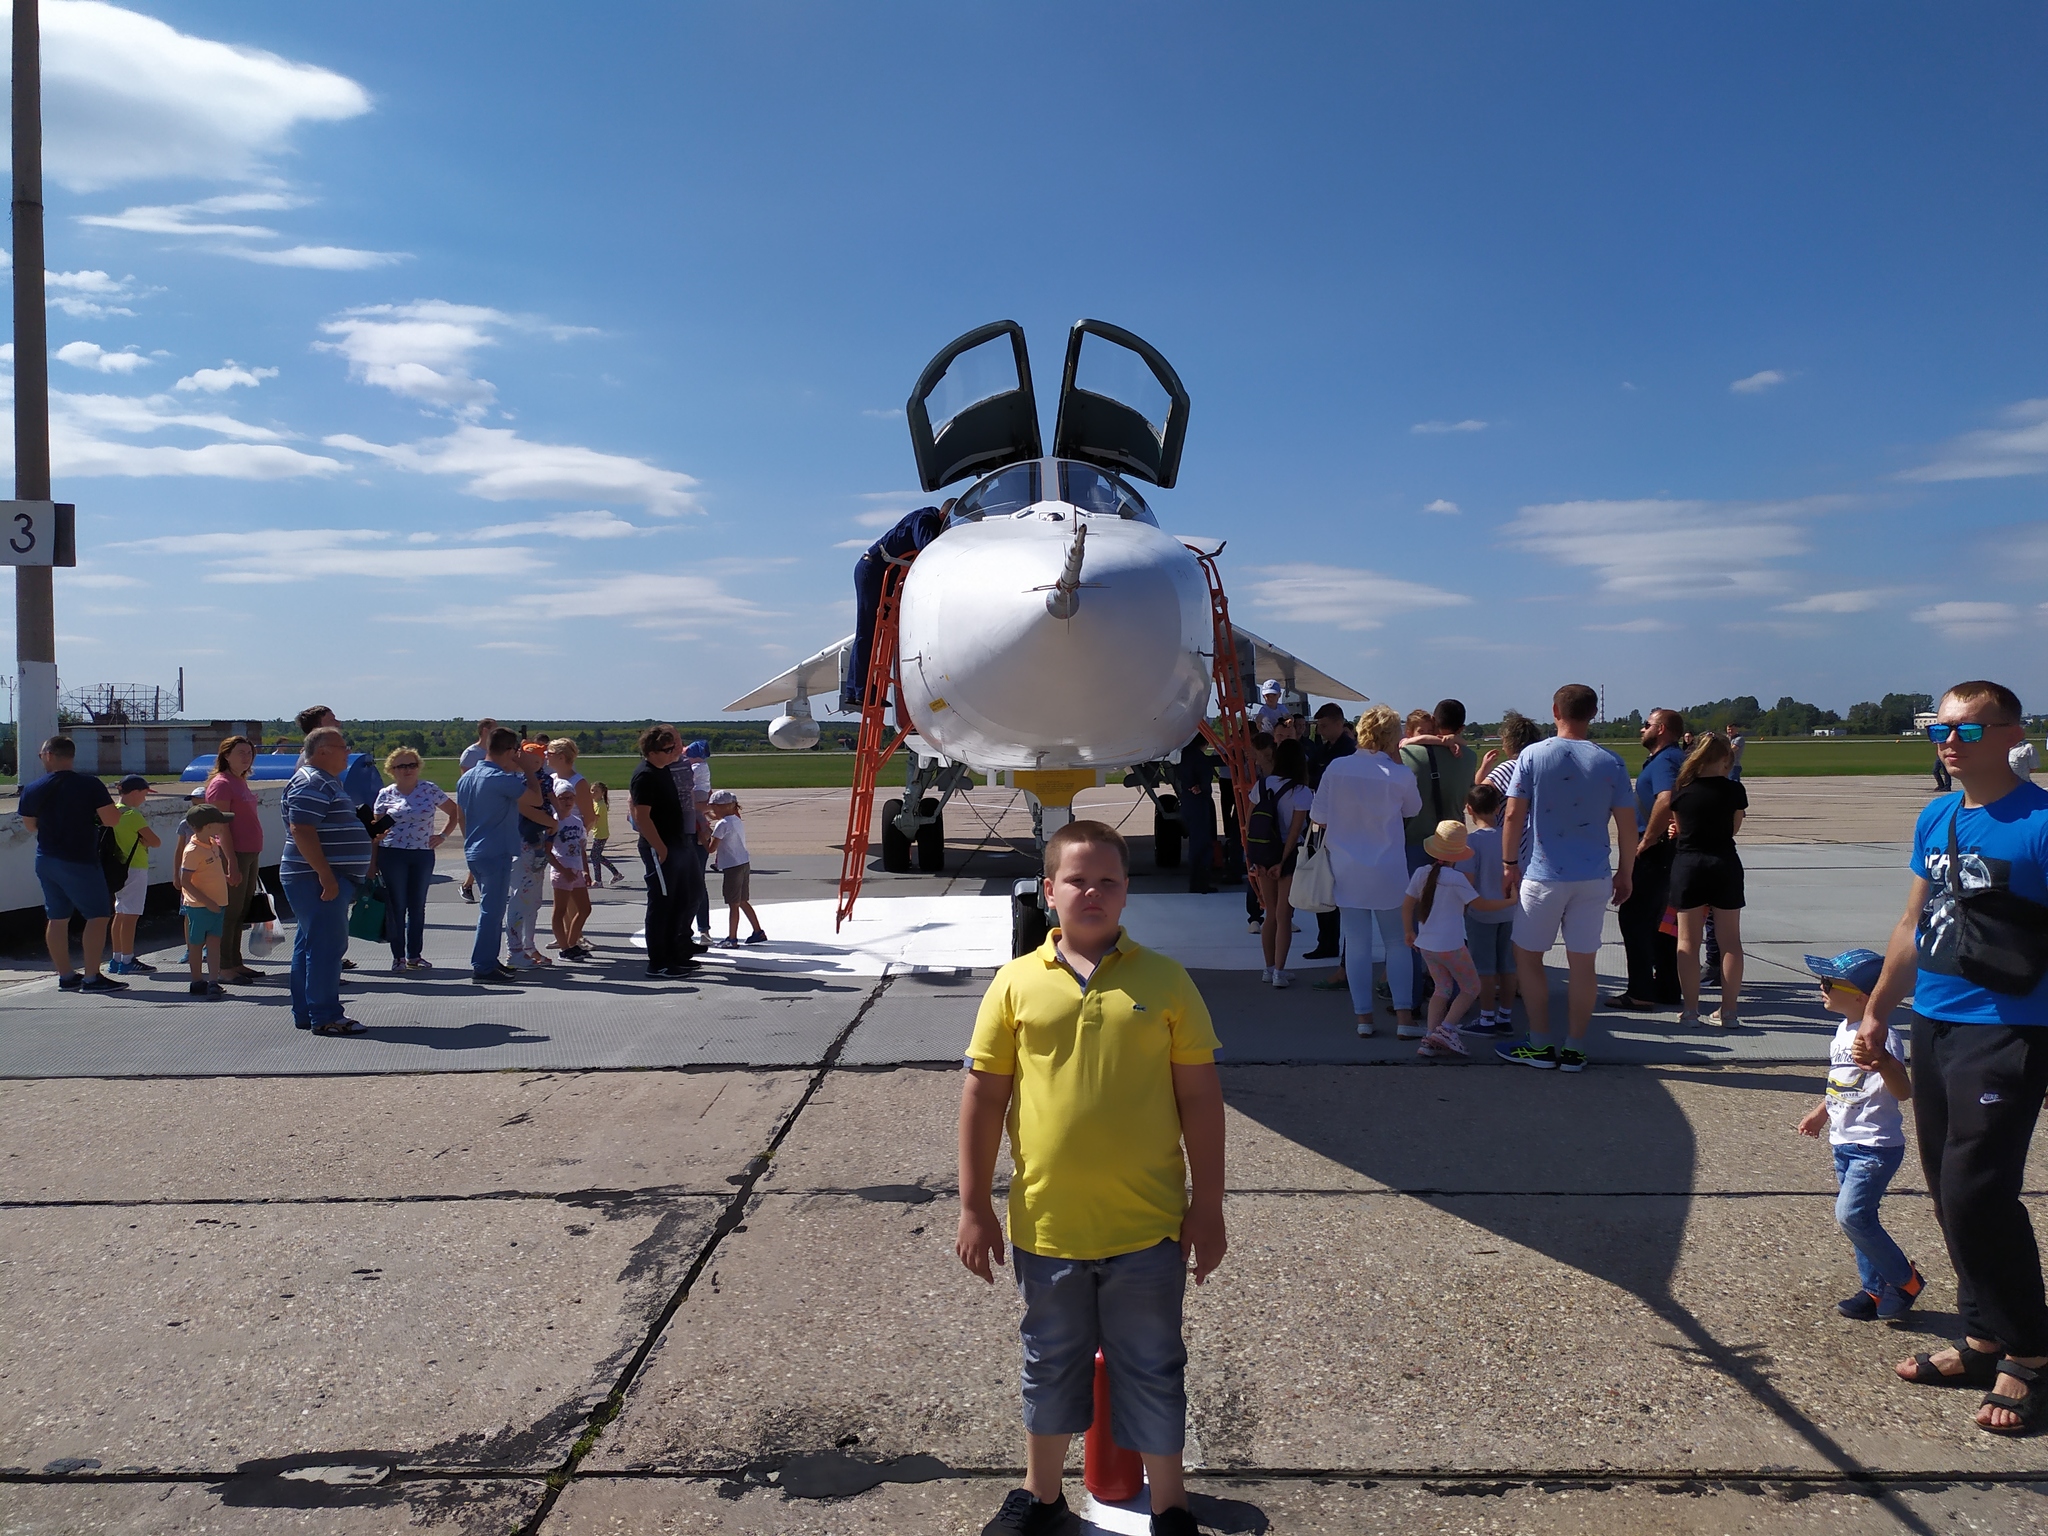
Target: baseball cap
(697,749)
(1858,968)
(725,797)
(133,781)
(1271,685)
(206,815)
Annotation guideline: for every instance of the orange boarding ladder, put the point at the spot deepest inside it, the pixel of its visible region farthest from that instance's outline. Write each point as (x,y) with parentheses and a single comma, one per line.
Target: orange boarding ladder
(884,683)
(1232,737)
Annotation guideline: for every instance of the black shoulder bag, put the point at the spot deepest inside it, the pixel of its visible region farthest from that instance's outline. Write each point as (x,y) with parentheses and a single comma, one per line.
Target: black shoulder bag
(2001,937)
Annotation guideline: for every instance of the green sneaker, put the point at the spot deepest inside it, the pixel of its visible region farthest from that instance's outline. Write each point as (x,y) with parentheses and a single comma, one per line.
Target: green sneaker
(1569,1060)
(1541,1057)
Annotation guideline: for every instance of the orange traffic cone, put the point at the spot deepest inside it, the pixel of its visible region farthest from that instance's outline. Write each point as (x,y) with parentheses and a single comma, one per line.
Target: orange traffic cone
(1111,1473)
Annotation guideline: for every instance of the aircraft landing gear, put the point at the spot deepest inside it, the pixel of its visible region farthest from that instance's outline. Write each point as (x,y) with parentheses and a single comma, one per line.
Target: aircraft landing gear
(929,784)
(931,839)
(895,842)
(1028,922)
(1166,832)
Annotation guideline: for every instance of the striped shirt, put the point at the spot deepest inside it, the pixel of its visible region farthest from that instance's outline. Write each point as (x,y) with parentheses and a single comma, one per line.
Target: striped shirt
(316,799)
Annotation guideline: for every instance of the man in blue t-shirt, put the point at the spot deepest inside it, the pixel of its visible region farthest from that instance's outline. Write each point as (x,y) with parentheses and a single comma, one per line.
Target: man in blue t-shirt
(1565,792)
(1980,1053)
(1652,953)
(490,796)
(65,810)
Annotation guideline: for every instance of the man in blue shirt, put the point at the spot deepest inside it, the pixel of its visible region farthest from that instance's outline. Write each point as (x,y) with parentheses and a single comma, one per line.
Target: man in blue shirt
(1564,792)
(326,857)
(491,795)
(1980,1054)
(65,810)
(1652,953)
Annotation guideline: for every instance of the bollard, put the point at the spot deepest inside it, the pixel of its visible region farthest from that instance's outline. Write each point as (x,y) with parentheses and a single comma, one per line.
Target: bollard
(1109,1472)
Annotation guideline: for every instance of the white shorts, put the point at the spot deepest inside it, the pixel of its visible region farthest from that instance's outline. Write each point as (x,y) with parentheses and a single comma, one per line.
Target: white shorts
(128,901)
(1578,906)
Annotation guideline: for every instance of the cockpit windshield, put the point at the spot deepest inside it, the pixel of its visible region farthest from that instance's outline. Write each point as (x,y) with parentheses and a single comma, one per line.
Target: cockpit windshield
(1081,485)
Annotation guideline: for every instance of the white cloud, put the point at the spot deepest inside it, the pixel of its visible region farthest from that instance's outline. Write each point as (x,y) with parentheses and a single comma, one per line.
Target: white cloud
(420,350)
(151,413)
(1666,549)
(325,258)
(89,356)
(853,544)
(1447,508)
(1349,599)
(267,556)
(500,465)
(101,579)
(88,295)
(127,97)
(663,602)
(1632,627)
(886,518)
(894,413)
(2018,448)
(1970,621)
(1757,383)
(1428,428)
(200,218)
(1837,602)
(567,525)
(80,445)
(217,381)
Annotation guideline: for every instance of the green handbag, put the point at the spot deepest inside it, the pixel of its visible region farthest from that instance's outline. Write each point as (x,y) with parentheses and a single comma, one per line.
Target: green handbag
(366,917)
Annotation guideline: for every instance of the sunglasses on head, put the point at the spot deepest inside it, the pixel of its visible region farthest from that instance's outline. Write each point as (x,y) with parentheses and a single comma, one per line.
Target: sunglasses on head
(1969,730)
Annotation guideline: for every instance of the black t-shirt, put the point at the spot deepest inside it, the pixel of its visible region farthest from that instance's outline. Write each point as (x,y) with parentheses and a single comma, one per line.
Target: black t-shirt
(1706,809)
(65,806)
(655,788)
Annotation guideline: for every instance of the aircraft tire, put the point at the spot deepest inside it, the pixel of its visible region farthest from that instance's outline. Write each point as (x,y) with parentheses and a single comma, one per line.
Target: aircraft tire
(1028,926)
(1166,833)
(931,840)
(895,846)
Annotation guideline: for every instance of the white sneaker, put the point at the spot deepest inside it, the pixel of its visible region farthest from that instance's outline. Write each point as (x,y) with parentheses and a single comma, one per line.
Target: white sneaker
(1265,975)
(1410,1031)
(1365,1027)
(1281,980)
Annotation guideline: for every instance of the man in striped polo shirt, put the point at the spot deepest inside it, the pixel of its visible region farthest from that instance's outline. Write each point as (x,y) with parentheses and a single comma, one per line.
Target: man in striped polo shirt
(326,857)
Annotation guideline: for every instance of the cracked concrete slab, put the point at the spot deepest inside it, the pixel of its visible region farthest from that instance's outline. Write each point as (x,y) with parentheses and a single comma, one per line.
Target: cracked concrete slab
(452,1507)
(1652,1334)
(1328,1507)
(384,1136)
(438,1334)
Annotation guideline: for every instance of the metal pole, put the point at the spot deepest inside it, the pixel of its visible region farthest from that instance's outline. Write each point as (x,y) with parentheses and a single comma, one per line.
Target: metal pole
(35,616)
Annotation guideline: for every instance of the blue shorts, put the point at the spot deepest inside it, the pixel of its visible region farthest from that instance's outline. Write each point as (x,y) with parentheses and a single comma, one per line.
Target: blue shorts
(73,886)
(1492,945)
(1129,1307)
(201,925)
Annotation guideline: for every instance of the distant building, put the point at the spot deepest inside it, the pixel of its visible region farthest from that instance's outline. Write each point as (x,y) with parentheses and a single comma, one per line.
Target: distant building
(1924,719)
(1831,730)
(163,748)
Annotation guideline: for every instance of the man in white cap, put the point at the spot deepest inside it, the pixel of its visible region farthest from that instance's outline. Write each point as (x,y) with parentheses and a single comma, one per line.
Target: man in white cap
(1271,710)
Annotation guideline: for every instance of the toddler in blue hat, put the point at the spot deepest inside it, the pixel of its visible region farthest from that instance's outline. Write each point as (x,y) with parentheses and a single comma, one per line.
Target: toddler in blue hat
(1861,1112)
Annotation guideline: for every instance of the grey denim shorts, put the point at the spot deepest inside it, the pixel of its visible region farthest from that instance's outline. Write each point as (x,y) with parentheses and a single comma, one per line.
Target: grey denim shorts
(1129,1307)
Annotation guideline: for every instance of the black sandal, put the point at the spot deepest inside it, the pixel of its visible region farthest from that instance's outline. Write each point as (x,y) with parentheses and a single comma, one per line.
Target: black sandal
(1979,1369)
(2028,1408)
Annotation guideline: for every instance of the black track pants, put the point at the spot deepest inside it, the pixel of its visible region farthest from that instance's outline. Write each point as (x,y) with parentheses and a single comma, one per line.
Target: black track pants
(1977,1091)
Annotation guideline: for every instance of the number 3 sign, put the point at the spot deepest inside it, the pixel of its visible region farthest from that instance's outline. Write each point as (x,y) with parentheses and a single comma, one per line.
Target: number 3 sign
(38,533)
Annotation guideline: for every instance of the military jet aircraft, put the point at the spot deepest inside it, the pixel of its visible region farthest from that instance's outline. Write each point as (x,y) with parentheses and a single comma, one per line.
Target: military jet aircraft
(1049,632)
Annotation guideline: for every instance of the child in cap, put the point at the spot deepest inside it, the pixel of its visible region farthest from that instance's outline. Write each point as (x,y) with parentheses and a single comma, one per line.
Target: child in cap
(1489,934)
(132,841)
(735,873)
(204,865)
(1433,913)
(1099,1058)
(1861,1111)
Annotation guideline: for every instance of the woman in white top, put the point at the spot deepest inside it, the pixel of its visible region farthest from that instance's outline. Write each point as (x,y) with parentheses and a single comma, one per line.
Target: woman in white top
(1274,849)
(405,852)
(567,783)
(1363,800)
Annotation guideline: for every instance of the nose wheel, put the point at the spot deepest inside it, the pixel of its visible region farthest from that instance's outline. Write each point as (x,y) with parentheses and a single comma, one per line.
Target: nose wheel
(1028,922)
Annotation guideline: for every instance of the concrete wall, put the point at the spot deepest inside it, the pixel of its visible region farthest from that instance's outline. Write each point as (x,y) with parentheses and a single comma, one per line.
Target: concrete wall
(111,750)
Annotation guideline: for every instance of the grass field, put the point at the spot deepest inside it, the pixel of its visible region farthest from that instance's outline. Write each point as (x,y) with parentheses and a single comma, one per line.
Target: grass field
(1813,757)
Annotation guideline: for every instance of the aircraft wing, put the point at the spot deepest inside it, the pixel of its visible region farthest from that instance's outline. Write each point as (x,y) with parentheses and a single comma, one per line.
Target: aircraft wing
(1268,660)
(813,676)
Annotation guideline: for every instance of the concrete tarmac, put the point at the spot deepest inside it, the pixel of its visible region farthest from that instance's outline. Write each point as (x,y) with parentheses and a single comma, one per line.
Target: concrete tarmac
(684,1261)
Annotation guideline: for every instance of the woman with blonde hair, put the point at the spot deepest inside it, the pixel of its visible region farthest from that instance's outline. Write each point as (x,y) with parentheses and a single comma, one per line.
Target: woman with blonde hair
(228,787)
(1361,805)
(1706,871)
(405,852)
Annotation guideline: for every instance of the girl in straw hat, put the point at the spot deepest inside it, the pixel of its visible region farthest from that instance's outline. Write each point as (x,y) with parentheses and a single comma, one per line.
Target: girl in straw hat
(1433,913)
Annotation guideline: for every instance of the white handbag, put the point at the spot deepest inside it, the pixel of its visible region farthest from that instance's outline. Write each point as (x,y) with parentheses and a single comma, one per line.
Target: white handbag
(1314,888)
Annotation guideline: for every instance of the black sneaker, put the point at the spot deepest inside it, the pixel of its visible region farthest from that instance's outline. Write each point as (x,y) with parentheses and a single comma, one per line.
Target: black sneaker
(1860,1308)
(1542,1057)
(140,969)
(1175,1522)
(1569,1060)
(1023,1515)
(103,984)
(72,982)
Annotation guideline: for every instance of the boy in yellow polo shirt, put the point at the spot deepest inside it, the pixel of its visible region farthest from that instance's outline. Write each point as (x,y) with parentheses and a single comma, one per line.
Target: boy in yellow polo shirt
(1099,1058)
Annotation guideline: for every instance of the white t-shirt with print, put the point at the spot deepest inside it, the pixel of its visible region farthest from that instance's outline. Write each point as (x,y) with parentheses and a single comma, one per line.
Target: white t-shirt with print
(1444,929)
(729,842)
(412,816)
(1861,1110)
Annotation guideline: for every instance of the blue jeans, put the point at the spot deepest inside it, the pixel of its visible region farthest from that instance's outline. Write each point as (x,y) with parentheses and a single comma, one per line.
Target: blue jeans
(1864,1174)
(494,884)
(1358,924)
(1129,1307)
(318,946)
(406,873)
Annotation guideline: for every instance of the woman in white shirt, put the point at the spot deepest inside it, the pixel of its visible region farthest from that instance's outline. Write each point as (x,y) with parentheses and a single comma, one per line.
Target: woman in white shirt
(1363,800)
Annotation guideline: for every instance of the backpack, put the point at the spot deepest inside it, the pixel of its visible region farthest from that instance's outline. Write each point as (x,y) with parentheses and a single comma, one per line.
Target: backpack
(1263,832)
(113,862)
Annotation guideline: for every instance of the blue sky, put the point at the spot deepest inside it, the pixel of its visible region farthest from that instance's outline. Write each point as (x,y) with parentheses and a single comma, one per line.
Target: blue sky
(1685,352)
